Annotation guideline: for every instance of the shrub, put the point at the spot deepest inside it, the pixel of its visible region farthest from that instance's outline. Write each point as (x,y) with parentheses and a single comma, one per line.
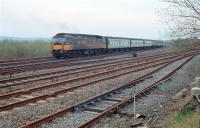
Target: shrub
(186,43)
(11,49)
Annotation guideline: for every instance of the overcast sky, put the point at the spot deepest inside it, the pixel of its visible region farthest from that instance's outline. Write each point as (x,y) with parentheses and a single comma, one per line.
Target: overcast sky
(44,18)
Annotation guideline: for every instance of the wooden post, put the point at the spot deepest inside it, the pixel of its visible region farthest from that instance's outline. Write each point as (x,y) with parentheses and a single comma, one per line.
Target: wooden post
(134,102)
(10,75)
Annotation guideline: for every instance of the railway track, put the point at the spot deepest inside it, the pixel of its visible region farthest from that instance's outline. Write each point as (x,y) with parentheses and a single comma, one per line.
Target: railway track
(30,60)
(11,67)
(47,94)
(66,72)
(27,60)
(25,92)
(130,98)
(89,104)
(49,64)
(87,75)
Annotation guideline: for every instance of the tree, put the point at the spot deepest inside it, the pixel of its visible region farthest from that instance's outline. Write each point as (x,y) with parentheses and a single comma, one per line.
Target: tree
(183,17)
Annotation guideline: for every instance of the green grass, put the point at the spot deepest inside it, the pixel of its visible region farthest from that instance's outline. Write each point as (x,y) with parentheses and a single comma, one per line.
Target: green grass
(11,49)
(190,119)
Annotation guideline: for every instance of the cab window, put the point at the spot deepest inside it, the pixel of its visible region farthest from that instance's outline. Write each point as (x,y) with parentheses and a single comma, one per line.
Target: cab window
(58,40)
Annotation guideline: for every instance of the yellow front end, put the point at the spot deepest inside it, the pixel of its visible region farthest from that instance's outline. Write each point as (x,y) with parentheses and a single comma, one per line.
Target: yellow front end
(67,47)
(59,50)
(56,47)
(61,46)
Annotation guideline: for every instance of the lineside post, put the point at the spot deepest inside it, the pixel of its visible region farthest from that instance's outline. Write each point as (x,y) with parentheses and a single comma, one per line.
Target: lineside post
(134,101)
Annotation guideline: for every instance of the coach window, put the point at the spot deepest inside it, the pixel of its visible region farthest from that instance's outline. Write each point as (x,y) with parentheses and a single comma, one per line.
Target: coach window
(112,42)
(115,42)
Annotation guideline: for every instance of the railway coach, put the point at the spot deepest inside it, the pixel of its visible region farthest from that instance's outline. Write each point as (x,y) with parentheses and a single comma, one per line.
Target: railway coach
(74,45)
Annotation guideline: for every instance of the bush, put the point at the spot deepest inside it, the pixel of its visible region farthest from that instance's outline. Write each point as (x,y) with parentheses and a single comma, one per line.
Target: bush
(187,117)
(11,49)
(186,43)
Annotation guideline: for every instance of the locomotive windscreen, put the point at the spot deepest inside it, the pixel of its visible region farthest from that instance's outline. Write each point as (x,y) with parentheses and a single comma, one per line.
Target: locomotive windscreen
(62,40)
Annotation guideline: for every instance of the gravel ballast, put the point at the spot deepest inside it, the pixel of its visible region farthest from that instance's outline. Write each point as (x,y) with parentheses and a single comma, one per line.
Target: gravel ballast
(156,102)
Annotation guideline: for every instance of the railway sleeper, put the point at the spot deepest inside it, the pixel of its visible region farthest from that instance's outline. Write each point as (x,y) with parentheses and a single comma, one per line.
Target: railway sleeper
(112,109)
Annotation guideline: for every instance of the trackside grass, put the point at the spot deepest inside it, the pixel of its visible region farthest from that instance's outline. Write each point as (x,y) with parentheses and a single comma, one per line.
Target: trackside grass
(12,49)
(190,119)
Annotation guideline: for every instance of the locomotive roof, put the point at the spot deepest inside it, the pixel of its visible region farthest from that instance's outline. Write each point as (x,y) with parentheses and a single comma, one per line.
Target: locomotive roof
(74,35)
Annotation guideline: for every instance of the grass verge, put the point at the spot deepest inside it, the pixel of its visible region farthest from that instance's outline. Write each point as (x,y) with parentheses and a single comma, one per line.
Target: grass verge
(187,117)
(11,49)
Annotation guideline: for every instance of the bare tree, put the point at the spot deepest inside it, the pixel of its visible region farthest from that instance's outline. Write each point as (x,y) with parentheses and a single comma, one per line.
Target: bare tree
(183,17)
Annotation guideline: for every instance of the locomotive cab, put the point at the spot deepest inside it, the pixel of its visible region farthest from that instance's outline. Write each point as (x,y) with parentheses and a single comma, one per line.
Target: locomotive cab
(60,46)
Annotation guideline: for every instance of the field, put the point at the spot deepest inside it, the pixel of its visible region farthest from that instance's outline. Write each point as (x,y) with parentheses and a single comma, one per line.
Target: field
(11,49)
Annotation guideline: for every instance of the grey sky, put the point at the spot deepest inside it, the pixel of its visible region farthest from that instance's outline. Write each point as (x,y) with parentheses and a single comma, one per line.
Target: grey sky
(44,18)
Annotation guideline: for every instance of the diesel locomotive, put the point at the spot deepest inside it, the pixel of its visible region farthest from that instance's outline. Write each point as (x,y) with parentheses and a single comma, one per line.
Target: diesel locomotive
(74,45)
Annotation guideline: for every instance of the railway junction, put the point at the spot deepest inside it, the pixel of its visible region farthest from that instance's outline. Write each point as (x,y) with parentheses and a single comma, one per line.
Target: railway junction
(93,91)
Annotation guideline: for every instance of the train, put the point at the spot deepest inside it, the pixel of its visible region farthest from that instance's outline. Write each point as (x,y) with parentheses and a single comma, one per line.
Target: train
(75,45)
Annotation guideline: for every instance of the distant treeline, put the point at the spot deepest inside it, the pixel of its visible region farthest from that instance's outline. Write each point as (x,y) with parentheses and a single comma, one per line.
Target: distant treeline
(12,49)
(179,43)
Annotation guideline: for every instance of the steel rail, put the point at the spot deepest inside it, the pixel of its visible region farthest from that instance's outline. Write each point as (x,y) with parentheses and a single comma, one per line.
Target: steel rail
(36,66)
(61,60)
(137,58)
(130,99)
(53,94)
(71,108)
(20,103)
(27,91)
(65,72)
(22,60)
(18,61)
